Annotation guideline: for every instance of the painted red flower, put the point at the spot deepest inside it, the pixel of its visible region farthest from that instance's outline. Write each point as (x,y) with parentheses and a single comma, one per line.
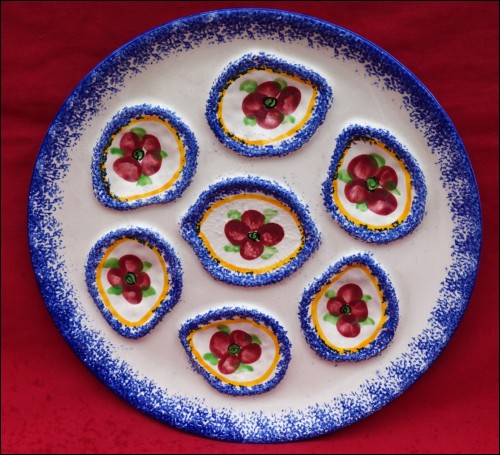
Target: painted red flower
(370,184)
(349,308)
(141,156)
(270,102)
(128,278)
(251,234)
(233,349)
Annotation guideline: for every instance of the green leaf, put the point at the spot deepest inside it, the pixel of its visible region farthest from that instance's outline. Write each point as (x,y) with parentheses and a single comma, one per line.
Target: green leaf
(115,290)
(288,119)
(141,132)
(367,321)
(211,359)
(395,191)
(330,294)
(281,82)
(224,328)
(366,297)
(380,160)
(344,176)
(244,367)
(117,151)
(329,317)
(269,251)
(148,291)
(362,206)
(146,266)
(111,263)
(232,248)
(234,214)
(269,214)
(250,121)
(248,86)
(144,180)
(163,154)
(256,339)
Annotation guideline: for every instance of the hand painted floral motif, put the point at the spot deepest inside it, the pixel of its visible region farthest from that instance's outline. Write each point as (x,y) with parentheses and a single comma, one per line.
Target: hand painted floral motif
(128,277)
(370,184)
(269,104)
(252,234)
(141,156)
(347,309)
(233,352)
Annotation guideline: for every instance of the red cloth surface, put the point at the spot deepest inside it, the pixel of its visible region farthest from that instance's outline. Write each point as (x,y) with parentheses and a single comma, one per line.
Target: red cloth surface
(50,401)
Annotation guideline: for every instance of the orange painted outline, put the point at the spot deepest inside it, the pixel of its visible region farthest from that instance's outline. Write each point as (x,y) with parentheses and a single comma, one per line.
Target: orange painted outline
(209,367)
(104,296)
(233,267)
(289,133)
(182,152)
(357,221)
(321,293)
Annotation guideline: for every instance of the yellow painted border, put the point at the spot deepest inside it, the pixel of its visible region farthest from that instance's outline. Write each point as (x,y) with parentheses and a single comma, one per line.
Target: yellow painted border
(180,145)
(209,368)
(321,293)
(235,268)
(357,221)
(103,293)
(289,133)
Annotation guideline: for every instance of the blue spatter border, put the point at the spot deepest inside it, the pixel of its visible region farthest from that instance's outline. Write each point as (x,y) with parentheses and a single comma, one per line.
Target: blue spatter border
(149,238)
(189,226)
(119,121)
(194,415)
(228,313)
(263,60)
(387,330)
(417,209)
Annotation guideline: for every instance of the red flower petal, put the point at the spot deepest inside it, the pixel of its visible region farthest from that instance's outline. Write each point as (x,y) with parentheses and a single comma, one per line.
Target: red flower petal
(142,280)
(387,178)
(288,100)
(151,163)
(150,143)
(130,263)
(356,191)
(127,168)
(269,89)
(272,119)
(334,306)
(350,292)
(228,364)
(130,142)
(359,310)
(241,338)
(252,104)
(253,219)
(271,234)
(115,277)
(348,326)
(381,202)
(236,232)
(250,353)
(251,250)
(219,343)
(363,167)
(132,294)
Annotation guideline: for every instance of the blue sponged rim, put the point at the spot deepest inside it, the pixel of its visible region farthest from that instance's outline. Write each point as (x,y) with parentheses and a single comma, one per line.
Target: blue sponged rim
(258,60)
(417,209)
(387,331)
(228,313)
(146,237)
(64,302)
(121,119)
(189,227)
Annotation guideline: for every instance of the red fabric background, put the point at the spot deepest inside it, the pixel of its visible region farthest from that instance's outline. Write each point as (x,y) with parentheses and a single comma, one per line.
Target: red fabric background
(52,404)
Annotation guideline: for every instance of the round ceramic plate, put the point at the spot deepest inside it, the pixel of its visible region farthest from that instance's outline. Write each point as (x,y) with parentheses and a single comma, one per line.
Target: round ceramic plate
(246,203)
